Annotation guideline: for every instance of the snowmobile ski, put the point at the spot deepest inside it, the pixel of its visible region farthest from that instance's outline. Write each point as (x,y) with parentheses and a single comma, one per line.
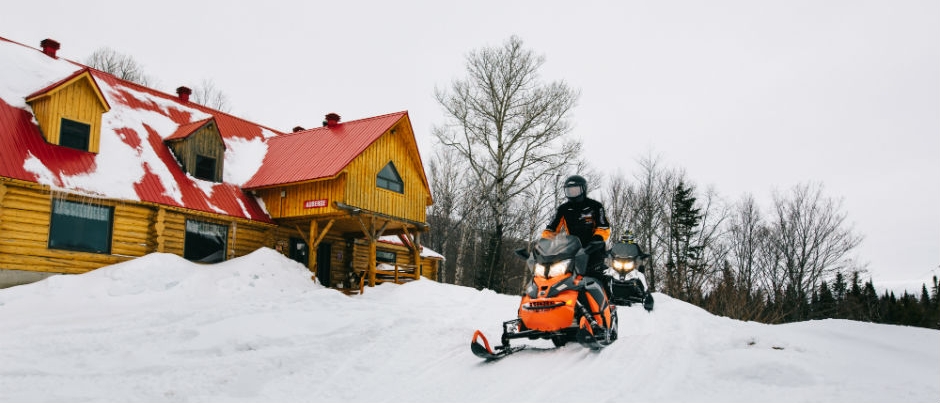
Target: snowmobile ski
(484,351)
(586,337)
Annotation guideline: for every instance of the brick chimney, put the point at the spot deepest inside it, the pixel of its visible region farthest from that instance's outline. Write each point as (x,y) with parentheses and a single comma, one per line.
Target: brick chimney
(332,119)
(49,47)
(184,93)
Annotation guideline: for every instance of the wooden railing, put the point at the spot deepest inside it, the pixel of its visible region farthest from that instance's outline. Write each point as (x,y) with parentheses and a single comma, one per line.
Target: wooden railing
(384,273)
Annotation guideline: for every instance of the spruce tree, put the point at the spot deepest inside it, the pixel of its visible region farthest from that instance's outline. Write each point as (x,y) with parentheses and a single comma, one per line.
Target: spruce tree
(684,255)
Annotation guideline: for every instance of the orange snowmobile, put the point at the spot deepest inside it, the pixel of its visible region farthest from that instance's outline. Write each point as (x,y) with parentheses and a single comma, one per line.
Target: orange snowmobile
(560,304)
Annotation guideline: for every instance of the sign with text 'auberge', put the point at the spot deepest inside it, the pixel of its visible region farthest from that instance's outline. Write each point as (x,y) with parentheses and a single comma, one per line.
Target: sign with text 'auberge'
(315,203)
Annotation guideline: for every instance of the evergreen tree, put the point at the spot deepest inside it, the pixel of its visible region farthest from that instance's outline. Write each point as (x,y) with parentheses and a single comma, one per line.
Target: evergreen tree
(827,302)
(683,256)
(840,289)
(870,304)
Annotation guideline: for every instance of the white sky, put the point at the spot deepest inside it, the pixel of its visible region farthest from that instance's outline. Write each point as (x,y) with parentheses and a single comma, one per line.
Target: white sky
(747,97)
(256,329)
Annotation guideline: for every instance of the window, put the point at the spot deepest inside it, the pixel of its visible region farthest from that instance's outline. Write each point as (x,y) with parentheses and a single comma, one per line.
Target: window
(74,134)
(80,227)
(205,168)
(385,256)
(388,178)
(205,242)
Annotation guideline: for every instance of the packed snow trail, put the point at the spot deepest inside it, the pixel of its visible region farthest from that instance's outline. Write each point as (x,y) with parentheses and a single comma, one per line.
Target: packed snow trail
(255,329)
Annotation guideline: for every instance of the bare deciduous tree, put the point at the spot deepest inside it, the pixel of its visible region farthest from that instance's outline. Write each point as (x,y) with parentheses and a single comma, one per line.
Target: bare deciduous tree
(653,196)
(454,212)
(713,239)
(620,203)
(207,94)
(812,239)
(118,64)
(745,233)
(511,129)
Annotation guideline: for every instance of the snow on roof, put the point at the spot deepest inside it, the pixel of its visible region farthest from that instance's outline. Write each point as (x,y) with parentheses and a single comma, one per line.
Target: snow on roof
(425,251)
(133,163)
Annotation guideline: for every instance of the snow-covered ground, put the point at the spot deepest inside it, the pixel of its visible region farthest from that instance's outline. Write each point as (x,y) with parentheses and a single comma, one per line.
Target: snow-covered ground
(255,329)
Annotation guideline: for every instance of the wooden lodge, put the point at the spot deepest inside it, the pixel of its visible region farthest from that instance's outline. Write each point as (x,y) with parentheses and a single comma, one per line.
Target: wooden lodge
(96,170)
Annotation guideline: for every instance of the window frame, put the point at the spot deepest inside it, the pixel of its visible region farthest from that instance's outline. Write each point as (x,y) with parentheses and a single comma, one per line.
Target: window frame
(196,168)
(190,243)
(59,220)
(386,182)
(71,133)
(385,256)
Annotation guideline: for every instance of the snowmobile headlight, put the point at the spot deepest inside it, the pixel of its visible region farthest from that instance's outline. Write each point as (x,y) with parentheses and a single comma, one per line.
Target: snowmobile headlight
(538,270)
(558,268)
(624,265)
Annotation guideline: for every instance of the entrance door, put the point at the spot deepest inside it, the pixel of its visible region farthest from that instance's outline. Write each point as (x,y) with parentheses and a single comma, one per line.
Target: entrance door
(299,251)
(323,263)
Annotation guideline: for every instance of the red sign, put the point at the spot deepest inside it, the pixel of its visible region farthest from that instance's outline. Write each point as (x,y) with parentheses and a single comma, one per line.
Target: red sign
(315,203)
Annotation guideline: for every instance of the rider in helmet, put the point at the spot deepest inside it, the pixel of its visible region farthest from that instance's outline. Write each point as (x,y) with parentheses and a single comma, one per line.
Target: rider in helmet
(584,218)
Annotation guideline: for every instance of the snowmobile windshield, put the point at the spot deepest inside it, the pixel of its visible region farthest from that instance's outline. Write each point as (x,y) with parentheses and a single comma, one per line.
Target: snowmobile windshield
(624,250)
(562,246)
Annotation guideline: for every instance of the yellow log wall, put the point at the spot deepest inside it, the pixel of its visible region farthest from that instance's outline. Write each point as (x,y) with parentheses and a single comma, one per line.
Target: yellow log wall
(138,229)
(363,192)
(292,203)
(339,255)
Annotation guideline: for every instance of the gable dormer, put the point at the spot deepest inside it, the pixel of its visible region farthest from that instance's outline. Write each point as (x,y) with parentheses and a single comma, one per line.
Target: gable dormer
(69,112)
(199,149)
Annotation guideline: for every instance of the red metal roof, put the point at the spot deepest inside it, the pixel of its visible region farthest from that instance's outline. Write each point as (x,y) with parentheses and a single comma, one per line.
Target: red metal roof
(142,119)
(318,153)
(25,155)
(185,130)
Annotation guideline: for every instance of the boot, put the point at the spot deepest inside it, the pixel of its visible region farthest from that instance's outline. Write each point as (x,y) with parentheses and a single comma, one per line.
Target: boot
(648,302)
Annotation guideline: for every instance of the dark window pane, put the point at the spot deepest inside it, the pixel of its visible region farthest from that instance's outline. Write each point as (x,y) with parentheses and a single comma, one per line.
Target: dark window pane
(385,256)
(80,227)
(388,178)
(74,134)
(205,242)
(205,168)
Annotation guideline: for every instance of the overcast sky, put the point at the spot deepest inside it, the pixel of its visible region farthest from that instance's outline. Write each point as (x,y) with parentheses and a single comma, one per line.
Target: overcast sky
(746,97)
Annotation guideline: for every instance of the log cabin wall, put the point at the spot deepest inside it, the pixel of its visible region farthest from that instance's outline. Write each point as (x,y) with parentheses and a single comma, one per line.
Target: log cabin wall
(403,257)
(169,233)
(429,267)
(137,229)
(25,217)
(340,258)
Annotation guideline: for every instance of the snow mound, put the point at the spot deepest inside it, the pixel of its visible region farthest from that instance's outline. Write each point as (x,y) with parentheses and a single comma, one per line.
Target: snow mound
(167,276)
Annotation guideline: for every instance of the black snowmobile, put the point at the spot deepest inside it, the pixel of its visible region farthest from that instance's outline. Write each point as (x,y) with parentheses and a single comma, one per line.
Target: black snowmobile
(626,281)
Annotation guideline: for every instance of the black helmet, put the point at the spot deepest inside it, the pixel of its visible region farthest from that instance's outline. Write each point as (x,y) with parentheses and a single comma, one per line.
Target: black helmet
(575,188)
(627,237)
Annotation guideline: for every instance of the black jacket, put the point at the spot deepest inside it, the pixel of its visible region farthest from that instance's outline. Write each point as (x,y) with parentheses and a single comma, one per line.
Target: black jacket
(584,219)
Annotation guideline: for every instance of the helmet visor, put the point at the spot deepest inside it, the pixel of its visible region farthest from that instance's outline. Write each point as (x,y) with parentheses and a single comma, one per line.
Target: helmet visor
(572,191)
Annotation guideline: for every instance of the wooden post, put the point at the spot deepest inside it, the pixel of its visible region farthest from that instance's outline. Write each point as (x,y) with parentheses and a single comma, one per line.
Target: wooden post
(416,252)
(160,228)
(372,262)
(312,251)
